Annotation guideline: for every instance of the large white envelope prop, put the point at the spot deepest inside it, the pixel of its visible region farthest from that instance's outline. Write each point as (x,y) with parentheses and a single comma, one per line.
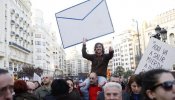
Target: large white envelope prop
(89,20)
(157,55)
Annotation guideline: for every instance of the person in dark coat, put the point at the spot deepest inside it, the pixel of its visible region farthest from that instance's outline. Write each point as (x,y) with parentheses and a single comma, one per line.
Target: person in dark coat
(59,90)
(73,92)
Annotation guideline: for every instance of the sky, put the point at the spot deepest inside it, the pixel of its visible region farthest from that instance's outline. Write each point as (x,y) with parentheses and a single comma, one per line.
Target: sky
(121,11)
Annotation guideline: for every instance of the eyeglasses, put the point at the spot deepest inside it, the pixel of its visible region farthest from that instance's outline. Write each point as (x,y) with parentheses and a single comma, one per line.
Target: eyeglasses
(91,78)
(45,78)
(167,85)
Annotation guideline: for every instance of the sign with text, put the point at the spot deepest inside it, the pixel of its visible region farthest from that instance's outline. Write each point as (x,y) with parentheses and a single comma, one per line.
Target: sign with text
(157,55)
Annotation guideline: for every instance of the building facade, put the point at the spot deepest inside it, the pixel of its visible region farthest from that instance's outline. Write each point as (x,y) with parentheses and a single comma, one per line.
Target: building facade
(125,50)
(164,20)
(42,44)
(15,38)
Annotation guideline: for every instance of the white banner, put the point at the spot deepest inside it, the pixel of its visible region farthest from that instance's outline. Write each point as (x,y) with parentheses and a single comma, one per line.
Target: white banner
(157,55)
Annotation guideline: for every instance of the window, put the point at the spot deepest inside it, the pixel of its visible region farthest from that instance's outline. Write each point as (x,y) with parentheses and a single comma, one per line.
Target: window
(38,50)
(38,42)
(37,35)
(38,58)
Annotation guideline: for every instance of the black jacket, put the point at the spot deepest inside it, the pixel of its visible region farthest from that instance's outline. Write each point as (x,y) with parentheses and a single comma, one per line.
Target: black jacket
(24,96)
(99,63)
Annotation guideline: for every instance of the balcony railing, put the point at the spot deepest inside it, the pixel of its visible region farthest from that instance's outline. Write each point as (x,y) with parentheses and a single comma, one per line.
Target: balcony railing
(19,47)
(2,51)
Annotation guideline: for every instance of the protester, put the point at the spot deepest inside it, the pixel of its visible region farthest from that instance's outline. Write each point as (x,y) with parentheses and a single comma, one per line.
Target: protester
(73,92)
(31,87)
(99,64)
(20,89)
(94,88)
(134,86)
(113,91)
(6,85)
(158,84)
(113,78)
(44,90)
(59,90)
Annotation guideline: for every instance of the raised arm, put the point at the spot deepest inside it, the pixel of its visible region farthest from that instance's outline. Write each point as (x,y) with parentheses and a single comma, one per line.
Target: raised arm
(84,53)
(111,53)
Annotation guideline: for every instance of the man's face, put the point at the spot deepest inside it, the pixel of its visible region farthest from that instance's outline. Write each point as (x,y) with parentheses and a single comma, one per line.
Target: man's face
(6,87)
(115,79)
(113,93)
(93,78)
(98,49)
(46,80)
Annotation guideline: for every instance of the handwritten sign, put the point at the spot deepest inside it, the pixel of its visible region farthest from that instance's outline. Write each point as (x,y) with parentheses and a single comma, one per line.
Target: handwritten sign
(158,55)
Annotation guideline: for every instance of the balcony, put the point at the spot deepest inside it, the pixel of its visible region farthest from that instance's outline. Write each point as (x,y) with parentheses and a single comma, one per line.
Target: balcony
(12,11)
(21,28)
(17,15)
(17,25)
(12,44)
(2,51)
(12,33)
(20,19)
(21,38)
(12,22)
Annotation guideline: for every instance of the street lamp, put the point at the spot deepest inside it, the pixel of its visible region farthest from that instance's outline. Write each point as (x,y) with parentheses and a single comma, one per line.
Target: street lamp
(138,36)
(160,33)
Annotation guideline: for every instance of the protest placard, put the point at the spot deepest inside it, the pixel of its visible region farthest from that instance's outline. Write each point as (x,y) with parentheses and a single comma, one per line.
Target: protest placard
(157,55)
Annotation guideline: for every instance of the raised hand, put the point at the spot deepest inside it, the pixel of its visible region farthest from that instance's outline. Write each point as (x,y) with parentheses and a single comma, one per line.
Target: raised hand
(84,40)
(110,49)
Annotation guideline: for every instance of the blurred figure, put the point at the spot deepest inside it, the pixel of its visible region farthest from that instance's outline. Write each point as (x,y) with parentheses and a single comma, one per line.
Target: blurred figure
(113,91)
(115,78)
(59,91)
(37,84)
(158,84)
(31,87)
(134,86)
(6,85)
(44,90)
(20,89)
(73,92)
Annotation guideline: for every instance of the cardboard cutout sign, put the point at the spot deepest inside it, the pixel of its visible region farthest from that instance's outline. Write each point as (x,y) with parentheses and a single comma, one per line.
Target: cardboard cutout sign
(89,19)
(157,55)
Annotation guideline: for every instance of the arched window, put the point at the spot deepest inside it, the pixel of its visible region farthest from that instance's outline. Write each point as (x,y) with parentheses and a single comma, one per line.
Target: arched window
(172,39)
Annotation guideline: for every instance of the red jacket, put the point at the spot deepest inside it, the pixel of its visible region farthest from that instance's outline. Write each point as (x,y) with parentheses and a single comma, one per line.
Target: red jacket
(93,92)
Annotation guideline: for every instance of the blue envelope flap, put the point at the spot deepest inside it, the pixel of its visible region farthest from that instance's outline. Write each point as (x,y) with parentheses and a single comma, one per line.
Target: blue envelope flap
(82,10)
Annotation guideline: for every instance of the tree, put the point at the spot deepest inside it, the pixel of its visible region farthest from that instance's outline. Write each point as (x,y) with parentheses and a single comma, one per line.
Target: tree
(128,73)
(119,71)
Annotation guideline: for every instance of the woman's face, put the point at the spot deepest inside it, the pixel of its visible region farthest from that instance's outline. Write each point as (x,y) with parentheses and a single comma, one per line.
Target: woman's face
(70,85)
(161,93)
(135,88)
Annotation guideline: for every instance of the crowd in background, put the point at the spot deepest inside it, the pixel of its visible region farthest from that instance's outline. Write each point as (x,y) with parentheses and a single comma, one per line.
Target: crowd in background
(157,84)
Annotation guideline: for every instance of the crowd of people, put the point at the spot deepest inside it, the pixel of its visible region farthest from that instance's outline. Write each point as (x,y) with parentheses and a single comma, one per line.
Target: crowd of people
(155,84)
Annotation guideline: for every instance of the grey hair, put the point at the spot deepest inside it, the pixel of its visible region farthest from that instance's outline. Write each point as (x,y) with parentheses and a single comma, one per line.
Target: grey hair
(112,84)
